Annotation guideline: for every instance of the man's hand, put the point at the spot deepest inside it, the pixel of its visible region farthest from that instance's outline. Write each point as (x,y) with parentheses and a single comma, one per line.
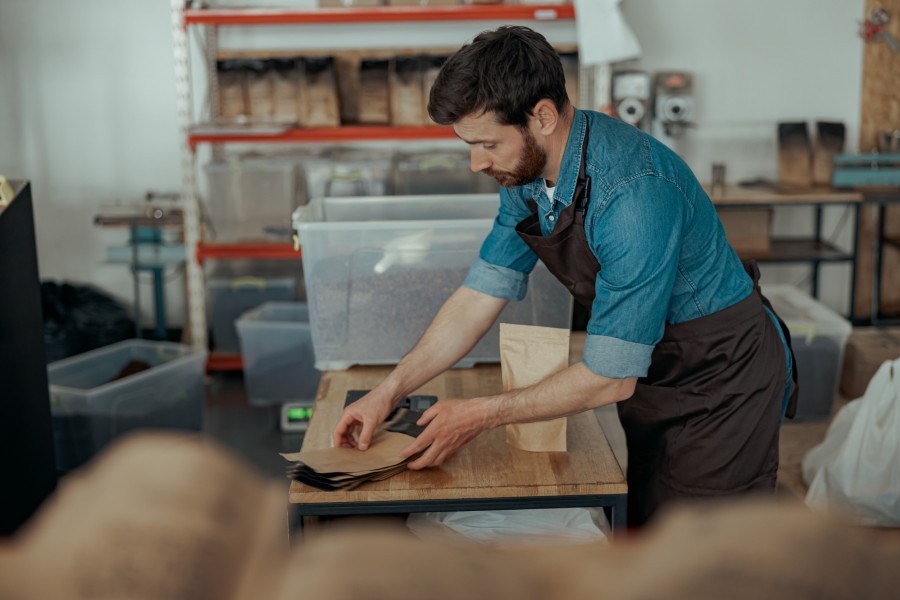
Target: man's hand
(451,424)
(359,420)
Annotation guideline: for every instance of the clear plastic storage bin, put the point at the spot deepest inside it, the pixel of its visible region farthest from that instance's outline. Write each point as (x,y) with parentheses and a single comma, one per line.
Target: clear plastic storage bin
(277,352)
(349,172)
(252,198)
(377,270)
(90,408)
(438,172)
(818,336)
(229,297)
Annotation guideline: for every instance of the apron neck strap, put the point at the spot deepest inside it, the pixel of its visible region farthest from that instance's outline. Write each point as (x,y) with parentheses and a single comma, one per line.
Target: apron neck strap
(583,183)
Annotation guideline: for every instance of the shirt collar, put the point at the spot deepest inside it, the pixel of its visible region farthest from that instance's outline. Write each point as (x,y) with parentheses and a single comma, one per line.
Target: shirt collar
(571,162)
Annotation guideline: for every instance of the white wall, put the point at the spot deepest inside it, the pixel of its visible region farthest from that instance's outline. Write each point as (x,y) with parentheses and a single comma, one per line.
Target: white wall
(87,108)
(754,64)
(87,113)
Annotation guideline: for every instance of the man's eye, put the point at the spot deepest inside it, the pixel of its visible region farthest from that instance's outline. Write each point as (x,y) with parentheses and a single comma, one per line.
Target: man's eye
(489,146)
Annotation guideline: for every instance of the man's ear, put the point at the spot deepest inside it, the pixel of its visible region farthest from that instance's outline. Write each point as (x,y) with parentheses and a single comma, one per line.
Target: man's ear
(545,117)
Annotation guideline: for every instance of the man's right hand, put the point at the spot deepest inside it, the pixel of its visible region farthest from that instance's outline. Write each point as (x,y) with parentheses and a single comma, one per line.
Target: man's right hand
(359,420)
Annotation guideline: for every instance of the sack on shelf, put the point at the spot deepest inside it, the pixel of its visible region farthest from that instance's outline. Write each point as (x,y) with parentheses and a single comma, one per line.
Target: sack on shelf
(232,90)
(347,72)
(285,84)
(319,99)
(406,91)
(260,96)
(374,93)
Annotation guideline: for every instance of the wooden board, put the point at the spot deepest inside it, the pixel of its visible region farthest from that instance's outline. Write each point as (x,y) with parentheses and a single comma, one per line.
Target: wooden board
(485,468)
(744,196)
(880,111)
(881,72)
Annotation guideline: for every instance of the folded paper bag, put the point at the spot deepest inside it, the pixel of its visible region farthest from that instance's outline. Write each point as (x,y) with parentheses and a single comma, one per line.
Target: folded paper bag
(528,355)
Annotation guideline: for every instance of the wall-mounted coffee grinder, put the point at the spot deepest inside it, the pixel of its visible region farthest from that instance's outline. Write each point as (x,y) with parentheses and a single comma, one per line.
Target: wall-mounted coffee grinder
(673,106)
(631,97)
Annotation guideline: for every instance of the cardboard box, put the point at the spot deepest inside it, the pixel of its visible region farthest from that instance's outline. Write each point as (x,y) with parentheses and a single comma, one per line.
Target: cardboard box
(374,92)
(406,91)
(747,230)
(866,350)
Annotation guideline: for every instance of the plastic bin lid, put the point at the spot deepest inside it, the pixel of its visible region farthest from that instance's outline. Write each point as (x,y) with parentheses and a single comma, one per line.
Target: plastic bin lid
(803,314)
(277,313)
(323,213)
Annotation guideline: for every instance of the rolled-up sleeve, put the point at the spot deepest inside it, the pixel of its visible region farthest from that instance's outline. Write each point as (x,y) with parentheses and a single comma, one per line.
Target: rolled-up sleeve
(636,234)
(505,260)
(496,281)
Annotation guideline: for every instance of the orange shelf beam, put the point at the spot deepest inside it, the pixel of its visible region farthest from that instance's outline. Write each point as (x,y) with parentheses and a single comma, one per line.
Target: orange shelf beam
(207,251)
(224,362)
(326,134)
(386,14)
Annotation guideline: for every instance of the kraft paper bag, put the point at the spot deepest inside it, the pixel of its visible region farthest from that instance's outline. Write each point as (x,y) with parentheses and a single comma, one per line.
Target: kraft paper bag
(528,355)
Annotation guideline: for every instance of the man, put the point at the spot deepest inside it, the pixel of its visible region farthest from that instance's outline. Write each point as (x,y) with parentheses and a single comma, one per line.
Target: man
(678,334)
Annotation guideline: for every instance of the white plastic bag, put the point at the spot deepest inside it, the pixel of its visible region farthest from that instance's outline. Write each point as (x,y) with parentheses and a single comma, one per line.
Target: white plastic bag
(856,468)
(530,526)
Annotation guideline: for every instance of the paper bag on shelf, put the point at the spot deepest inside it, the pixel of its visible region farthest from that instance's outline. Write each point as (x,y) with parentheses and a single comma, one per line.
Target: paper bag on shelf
(319,101)
(374,92)
(407,105)
(528,355)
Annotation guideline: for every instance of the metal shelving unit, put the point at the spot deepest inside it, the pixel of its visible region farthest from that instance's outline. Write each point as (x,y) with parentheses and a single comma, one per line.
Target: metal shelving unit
(192,135)
(318,134)
(381,14)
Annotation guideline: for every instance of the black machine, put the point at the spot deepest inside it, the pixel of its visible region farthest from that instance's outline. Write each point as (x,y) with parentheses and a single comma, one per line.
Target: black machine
(27,464)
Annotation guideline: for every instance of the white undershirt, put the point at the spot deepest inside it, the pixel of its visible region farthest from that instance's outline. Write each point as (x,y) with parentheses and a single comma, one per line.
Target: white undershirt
(550,191)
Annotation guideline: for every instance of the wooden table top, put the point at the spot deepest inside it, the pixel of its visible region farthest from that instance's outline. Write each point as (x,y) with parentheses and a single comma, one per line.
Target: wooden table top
(483,469)
(749,196)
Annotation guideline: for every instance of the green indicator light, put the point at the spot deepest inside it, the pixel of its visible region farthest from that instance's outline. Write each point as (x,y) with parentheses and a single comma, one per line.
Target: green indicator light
(299,414)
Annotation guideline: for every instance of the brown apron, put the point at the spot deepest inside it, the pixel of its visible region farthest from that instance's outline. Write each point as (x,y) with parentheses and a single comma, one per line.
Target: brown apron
(704,422)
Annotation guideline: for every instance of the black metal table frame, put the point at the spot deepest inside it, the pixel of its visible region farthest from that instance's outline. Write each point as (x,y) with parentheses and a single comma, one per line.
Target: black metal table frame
(615,506)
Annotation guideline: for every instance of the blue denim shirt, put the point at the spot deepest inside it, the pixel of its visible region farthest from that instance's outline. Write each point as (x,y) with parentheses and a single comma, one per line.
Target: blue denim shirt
(662,249)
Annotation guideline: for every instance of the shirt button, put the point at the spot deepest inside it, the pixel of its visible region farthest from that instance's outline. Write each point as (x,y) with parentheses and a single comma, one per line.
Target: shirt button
(551,218)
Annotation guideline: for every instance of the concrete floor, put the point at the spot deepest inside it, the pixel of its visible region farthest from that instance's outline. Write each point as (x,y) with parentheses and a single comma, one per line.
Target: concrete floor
(252,432)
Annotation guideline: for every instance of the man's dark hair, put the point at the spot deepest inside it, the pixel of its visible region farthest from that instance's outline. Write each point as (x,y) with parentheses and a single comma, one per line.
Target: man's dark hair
(506,71)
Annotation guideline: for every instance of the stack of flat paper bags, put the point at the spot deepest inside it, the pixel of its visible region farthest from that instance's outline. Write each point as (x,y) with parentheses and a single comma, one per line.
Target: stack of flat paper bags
(346,468)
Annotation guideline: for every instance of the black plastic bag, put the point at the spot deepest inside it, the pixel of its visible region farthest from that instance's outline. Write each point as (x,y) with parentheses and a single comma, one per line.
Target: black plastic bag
(79,318)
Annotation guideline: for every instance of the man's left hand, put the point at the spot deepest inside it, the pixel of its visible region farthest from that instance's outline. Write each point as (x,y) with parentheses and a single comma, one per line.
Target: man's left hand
(451,424)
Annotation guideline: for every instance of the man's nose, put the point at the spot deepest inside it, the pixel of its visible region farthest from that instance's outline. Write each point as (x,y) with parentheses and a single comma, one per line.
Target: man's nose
(479,161)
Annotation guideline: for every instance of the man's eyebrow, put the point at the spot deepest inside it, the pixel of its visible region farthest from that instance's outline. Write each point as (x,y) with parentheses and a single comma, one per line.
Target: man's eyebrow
(472,142)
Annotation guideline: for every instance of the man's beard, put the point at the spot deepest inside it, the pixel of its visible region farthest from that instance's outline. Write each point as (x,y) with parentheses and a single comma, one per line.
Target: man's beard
(529,167)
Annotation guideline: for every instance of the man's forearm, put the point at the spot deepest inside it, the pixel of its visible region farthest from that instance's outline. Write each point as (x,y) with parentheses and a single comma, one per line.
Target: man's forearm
(570,391)
(460,323)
